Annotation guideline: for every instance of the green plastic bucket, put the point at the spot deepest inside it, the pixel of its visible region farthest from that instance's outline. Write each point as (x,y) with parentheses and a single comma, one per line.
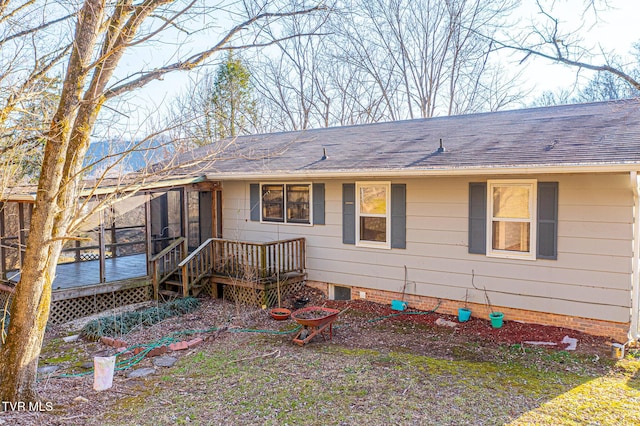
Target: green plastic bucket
(464,314)
(496,319)
(398,305)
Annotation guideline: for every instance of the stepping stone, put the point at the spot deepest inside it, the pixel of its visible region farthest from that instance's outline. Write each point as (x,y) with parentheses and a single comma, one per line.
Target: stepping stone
(141,372)
(164,361)
(48,369)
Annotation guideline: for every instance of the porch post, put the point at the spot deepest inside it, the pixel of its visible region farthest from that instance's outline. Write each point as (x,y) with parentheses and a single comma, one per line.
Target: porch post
(101,249)
(184,218)
(3,261)
(21,236)
(112,224)
(147,229)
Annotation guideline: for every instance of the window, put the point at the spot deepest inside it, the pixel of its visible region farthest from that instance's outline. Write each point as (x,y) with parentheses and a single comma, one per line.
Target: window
(298,203)
(338,292)
(372,212)
(286,203)
(273,203)
(511,218)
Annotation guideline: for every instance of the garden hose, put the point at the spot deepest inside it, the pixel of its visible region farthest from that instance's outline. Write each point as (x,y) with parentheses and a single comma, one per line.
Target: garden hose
(173,337)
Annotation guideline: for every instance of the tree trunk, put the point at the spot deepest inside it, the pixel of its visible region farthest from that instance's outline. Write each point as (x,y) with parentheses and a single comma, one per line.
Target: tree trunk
(49,222)
(29,315)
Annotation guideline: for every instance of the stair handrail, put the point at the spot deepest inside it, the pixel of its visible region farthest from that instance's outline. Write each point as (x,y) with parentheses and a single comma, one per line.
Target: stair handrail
(197,265)
(196,251)
(179,244)
(167,249)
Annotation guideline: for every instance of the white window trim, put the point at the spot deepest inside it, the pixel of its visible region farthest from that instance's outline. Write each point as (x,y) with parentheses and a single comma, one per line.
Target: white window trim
(533,205)
(374,244)
(284,184)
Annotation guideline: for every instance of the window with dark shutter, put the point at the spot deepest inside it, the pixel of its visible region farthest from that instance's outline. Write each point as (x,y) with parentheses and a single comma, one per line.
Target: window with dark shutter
(508,231)
(295,203)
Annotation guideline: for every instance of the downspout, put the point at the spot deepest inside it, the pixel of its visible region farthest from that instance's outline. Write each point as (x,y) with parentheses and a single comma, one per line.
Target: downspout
(635,275)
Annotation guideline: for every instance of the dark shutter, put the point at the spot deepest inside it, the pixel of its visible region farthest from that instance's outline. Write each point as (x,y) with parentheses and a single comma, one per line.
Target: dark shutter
(349,213)
(254,201)
(399,216)
(478,217)
(318,203)
(547,220)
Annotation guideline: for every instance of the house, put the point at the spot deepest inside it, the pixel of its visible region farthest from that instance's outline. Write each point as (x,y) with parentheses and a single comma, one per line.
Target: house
(537,206)
(534,211)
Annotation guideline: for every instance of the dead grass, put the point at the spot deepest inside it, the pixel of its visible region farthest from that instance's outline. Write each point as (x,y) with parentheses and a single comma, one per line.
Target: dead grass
(385,372)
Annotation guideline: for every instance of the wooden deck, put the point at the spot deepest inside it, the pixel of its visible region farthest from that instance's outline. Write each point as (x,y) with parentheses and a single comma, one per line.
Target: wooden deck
(87,273)
(78,292)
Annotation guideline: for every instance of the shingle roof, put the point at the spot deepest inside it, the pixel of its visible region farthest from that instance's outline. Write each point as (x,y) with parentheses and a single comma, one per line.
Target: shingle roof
(571,136)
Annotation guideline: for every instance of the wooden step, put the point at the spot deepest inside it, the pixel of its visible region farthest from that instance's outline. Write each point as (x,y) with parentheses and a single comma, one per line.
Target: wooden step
(172,283)
(170,293)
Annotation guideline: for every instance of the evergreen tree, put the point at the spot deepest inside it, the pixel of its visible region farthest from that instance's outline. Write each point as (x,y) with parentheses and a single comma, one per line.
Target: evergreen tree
(232,104)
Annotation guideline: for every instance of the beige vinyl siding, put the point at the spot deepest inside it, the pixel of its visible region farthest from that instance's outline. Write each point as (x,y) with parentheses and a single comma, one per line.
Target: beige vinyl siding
(591,277)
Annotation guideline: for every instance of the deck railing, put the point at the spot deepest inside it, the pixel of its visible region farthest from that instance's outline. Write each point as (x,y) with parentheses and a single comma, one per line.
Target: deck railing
(166,263)
(258,261)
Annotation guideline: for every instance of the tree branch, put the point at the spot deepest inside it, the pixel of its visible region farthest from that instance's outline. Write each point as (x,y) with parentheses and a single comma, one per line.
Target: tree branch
(35,29)
(579,64)
(199,58)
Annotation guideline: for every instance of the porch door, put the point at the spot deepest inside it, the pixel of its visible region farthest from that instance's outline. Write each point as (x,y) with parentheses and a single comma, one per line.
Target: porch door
(218,214)
(166,218)
(199,213)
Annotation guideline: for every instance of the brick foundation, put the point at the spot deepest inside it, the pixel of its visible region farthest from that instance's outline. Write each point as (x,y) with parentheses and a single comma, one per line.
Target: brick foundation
(614,330)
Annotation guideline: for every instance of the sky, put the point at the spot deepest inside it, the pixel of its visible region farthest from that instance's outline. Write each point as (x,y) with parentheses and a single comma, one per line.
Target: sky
(615,29)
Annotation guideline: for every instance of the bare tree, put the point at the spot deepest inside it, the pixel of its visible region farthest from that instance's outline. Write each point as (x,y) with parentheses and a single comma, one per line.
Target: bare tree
(425,57)
(104,31)
(386,60)
(30,48)
(291,81)
(548,40)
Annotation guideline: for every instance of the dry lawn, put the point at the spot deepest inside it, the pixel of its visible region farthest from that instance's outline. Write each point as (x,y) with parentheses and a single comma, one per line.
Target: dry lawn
(390,371)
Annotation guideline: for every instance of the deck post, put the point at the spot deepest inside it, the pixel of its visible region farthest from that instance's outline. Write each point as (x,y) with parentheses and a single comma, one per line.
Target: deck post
(185,281)
(101,251)
(263,261)
(154,279)
(3,259)
(22,238)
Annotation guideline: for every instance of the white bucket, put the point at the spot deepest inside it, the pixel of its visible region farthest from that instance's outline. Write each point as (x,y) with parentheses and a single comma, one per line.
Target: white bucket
(103,368)
(617,350)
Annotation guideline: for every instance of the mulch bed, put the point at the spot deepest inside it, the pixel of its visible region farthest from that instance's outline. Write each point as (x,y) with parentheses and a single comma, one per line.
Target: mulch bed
(476,329)
(512,332)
